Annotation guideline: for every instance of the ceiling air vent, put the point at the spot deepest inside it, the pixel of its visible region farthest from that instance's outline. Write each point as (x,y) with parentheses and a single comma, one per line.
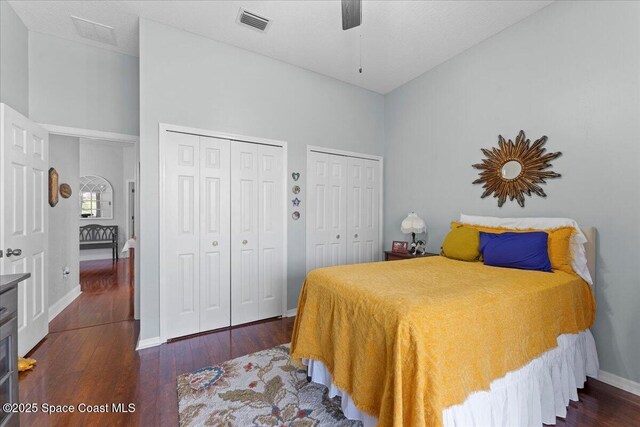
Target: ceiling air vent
(95,31)
(255,21)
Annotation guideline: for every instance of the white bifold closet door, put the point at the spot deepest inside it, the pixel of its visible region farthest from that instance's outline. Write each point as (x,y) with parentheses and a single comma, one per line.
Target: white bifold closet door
(215,239)
(197,234)
(223,245)
(363,210)
(327,210)
(257,232)
(343,213)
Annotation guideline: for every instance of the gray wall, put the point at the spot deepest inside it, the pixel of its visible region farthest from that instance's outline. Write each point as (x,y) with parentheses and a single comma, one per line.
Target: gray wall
(14,60)
(189,80)
(82,86)
(571,72)
(64,155)
(107,159)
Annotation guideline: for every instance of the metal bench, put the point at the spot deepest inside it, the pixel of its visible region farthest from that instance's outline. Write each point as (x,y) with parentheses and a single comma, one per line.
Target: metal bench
(95,236)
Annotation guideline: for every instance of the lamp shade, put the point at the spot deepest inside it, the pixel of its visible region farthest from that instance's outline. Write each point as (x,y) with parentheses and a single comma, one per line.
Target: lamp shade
(413,224)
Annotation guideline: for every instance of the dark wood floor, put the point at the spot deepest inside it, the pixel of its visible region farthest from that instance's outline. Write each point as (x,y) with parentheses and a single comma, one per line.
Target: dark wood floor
(92,359)
(107,296)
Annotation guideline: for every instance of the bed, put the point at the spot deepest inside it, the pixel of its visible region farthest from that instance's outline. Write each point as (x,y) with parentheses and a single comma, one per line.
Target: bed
(434,341)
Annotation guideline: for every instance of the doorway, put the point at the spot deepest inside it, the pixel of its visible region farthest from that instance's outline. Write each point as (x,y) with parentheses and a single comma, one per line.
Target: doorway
(96,229)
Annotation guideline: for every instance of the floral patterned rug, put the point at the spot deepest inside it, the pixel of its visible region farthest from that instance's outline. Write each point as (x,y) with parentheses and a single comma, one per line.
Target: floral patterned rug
(260,389)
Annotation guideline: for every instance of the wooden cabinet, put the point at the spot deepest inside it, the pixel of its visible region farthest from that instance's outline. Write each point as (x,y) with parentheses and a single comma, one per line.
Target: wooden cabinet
(8,346)
(394,256)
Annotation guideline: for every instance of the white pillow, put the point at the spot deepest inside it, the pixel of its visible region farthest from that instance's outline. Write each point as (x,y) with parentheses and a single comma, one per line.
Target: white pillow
(579,263)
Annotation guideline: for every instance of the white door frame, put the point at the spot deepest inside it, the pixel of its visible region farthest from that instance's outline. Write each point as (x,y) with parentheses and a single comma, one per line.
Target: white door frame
(336,152)
(163,128)
(91,134)
(128,205)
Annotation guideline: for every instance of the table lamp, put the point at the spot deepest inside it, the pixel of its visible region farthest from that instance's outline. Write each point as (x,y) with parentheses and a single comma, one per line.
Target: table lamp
(413,224)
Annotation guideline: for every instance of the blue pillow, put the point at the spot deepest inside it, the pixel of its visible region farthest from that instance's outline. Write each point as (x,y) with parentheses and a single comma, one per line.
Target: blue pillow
(526,251)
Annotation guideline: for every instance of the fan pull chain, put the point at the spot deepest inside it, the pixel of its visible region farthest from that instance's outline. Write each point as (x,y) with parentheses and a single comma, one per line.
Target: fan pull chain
(360,68)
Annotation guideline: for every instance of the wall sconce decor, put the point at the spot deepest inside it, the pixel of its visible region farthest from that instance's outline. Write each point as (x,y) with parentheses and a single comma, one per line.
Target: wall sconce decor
(53,187)
(65,191)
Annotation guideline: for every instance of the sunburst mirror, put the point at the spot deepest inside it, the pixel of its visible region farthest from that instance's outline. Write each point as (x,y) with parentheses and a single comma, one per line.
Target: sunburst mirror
(515,169)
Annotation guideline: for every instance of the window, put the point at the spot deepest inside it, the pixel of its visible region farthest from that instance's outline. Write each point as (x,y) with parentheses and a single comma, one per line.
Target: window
(96,198)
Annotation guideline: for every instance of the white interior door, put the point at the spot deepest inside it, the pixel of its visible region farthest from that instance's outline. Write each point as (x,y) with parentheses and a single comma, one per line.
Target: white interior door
(181,248)
(327,210)
(244,233)
(271,225)
(24,164)
(363,210)
(215,229)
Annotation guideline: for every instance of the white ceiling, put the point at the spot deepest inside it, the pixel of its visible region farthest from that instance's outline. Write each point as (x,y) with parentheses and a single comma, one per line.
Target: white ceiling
(400,39)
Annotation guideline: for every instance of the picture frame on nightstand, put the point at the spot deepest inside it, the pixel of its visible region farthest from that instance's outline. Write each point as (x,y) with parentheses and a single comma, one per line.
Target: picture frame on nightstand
(400,247)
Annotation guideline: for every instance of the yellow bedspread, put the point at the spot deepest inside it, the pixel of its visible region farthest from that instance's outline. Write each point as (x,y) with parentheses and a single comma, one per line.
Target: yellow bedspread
(407,339)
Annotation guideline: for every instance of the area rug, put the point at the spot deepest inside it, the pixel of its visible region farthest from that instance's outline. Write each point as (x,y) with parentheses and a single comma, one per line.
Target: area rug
(260,389)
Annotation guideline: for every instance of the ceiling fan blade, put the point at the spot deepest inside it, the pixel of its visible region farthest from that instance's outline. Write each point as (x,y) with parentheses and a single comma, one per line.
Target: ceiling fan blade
(351,13)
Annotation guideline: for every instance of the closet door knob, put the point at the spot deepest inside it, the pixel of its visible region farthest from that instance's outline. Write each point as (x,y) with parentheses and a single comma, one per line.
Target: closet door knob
(244,242)
(338,236)
(215,243)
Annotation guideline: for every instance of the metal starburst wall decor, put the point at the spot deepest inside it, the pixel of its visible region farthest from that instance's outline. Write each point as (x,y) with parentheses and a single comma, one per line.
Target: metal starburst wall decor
(515,169)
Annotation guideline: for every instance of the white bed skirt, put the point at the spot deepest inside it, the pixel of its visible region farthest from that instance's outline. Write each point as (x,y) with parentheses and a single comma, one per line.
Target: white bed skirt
(534,394)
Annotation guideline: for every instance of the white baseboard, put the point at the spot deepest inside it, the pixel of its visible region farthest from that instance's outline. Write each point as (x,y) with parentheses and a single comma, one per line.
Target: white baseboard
(63,302)
(292,312)
(154,341)
(148,343)
(99,257)
(622,383)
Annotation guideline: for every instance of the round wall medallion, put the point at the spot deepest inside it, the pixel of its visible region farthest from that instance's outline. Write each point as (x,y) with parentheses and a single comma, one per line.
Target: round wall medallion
(65,191)
(295,215)
(296,189)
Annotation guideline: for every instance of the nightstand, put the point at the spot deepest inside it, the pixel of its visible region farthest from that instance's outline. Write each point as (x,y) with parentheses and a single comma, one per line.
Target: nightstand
(394,256)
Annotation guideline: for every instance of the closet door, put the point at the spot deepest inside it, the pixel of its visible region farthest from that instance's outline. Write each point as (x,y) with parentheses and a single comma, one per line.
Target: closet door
(327,210)
(215,229)
(244,233)
(271,225)
(363,210)
(182,234)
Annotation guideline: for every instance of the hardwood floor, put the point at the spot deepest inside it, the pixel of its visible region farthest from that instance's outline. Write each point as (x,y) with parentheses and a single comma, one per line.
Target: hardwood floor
(107,296)
(99,364)
(602,405)
(96,363)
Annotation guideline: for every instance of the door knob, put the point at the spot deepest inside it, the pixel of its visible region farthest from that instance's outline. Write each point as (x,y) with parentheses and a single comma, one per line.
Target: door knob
(355,236)
(16,252)
(244,242)
(215,243)
(338,236)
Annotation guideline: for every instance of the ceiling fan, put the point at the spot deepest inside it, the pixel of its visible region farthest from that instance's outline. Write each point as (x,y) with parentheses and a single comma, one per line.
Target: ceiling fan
(351,13)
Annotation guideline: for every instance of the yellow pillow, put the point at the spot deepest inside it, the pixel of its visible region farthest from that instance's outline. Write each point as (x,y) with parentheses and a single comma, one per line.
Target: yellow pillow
(462,243)
(559,242)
